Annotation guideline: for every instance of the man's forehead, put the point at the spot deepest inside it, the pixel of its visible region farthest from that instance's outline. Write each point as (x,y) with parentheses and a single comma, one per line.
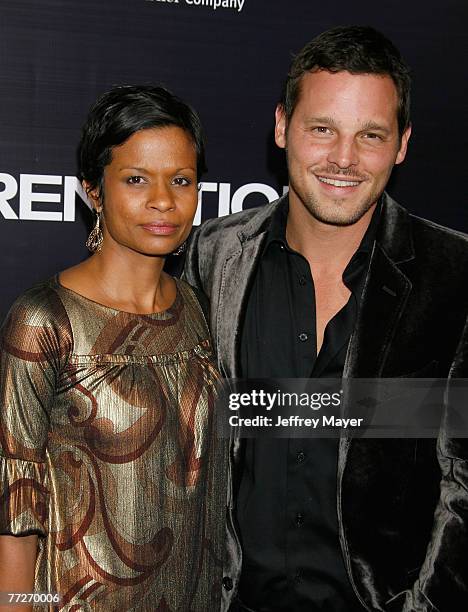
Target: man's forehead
(322,93)
(344,78)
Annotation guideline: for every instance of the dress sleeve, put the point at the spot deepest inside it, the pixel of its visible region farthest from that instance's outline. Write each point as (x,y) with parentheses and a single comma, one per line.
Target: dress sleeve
(35,341)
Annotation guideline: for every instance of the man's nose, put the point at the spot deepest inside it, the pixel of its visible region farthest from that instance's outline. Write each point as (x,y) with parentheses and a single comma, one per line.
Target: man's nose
(344,152)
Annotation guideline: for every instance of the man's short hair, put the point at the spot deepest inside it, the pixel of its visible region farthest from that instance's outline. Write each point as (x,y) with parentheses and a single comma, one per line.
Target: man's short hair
(355,49)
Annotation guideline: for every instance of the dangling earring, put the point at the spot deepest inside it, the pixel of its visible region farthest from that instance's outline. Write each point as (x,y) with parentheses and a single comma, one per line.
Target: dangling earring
(95,237)
(180,249)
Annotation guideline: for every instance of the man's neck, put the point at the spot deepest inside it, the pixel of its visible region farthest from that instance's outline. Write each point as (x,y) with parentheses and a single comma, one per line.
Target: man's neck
(327,248)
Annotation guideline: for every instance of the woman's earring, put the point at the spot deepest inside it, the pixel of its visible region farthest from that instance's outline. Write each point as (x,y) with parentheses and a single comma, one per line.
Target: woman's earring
(180,249)
(95,238)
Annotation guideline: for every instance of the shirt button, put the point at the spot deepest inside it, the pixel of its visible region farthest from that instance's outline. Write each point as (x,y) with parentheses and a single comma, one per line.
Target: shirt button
(302,281)
(303,337)
(299,519)
(298,576)
(227,583)
(300,457)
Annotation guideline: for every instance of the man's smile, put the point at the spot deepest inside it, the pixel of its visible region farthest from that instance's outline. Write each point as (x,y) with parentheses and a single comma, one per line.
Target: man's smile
(338,182)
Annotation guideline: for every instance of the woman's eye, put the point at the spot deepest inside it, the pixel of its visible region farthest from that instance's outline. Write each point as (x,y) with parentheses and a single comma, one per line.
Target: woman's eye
(135,180)
(181,181)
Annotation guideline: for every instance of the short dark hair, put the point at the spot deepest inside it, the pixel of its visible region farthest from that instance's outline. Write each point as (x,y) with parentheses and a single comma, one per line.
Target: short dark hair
(124,110)
(355,49)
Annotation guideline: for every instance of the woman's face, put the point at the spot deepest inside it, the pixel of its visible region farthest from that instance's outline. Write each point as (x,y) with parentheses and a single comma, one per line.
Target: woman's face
(150,192)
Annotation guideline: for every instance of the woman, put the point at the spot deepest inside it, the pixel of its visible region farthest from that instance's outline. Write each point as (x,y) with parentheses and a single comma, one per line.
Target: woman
(108,454)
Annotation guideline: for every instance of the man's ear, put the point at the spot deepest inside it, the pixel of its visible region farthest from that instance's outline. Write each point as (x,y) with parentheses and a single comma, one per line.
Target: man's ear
(280,126)
(403,145)
(93,196)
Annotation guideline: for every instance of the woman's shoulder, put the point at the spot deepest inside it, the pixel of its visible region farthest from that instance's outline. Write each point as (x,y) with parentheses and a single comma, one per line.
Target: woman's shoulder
(37,312)
(41,301)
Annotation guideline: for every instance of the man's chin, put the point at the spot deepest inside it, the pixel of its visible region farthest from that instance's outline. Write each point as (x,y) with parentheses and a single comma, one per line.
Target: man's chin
(340,215)
(338,221)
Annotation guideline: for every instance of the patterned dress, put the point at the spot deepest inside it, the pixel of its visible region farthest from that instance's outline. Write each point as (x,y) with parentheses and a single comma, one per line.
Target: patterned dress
(108,452)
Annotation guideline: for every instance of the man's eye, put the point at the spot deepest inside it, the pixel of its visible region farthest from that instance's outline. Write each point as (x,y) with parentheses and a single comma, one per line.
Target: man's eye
(371,135)
(135,180)
(321,129)
(181,181)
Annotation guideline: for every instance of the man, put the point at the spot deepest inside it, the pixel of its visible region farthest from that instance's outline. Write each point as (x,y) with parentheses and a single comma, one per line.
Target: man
(337,280)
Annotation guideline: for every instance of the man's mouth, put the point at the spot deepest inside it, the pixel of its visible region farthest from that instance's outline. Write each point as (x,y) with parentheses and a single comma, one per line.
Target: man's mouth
(338,182)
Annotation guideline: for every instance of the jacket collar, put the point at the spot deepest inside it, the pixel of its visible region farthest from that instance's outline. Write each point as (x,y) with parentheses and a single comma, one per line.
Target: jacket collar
(393,233)
(260,222)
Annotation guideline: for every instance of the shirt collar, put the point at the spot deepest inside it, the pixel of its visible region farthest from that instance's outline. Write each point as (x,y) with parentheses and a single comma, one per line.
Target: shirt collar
(277,228)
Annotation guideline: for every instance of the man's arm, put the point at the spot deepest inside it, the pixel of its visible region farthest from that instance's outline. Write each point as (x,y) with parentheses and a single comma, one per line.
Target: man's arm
(442,584)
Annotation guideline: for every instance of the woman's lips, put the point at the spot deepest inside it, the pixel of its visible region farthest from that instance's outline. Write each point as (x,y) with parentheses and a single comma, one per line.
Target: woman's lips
(160,229)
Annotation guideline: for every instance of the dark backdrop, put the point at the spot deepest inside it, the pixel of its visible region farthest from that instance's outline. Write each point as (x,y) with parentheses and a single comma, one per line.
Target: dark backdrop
(56,56)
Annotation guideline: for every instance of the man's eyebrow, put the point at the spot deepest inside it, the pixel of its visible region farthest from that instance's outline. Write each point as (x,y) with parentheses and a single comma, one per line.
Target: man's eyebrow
(376,127)
(321,120)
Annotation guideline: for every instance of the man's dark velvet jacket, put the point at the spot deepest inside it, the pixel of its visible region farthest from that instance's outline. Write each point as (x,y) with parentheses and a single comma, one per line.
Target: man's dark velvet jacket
(402,504)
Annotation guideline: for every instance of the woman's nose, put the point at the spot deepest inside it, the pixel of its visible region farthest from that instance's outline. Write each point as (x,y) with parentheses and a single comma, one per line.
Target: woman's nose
(161,197)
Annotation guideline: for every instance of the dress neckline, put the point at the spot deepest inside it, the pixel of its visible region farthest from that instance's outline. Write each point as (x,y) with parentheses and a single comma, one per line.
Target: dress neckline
(160,314)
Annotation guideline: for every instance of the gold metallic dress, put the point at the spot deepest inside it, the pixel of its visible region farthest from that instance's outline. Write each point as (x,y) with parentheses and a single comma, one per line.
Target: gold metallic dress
(108,452)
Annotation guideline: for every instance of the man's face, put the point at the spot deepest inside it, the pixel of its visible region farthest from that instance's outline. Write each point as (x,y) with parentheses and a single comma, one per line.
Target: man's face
(341,143)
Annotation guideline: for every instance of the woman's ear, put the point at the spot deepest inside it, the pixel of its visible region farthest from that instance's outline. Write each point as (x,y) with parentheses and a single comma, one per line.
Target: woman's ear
(94,196)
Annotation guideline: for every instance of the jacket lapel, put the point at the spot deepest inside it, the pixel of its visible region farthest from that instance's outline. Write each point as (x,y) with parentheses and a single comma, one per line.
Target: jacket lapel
(238,268)
(237,271)
(383,303)
(384,299)
(385,294)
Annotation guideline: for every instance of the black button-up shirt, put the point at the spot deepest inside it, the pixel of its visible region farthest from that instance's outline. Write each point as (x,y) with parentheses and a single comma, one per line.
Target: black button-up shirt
(286,507)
